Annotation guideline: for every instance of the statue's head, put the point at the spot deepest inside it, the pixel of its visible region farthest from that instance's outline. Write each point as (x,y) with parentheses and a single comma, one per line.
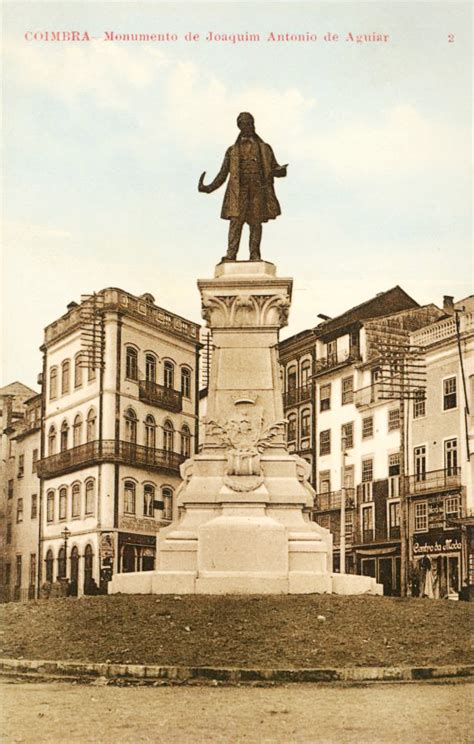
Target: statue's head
(246,123)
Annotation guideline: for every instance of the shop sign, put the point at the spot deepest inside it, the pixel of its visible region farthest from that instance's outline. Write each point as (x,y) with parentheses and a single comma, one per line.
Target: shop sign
(131,538)
(106,545)
(435,513)
(424,546)
(138,524)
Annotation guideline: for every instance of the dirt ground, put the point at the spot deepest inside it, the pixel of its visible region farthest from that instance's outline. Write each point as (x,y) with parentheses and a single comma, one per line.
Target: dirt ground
(35,713)
(275,631)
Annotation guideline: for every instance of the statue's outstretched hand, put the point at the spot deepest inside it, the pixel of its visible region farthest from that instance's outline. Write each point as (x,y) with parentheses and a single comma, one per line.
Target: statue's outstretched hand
(280,172)
(201,186)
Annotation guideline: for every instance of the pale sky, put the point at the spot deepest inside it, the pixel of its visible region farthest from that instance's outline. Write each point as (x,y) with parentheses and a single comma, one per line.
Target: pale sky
(104,142)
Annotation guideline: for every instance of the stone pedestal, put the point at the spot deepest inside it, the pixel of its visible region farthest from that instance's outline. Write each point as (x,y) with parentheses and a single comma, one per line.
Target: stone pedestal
(244,524)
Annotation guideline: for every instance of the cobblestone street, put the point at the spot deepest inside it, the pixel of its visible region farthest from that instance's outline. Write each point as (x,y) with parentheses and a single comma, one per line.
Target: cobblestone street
(295,714)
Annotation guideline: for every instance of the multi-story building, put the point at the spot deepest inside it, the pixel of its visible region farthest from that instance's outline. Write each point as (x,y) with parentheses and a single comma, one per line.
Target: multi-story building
(120,414)
(354,440)
(440,456)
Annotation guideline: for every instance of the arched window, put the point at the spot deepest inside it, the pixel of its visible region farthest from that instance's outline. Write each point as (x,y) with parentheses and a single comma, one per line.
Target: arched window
(65,376)
(305,422)
(53,382)
(186,382)
(185,441)
(148,500)
(63,503)
(168,372)
(150,368)
(91,425)
(131,363)
(76,500)
(291,378)
(50,506)
(91,373)
(168,436)
(74,574)
(89,500)
(77,431)
(61,563)
(129,497)
(78,370)
(167,498)
(64,436)
(292,427)
(88,570)
(130,426)
(305,373)
(49,560)
(52,440)
(150,432)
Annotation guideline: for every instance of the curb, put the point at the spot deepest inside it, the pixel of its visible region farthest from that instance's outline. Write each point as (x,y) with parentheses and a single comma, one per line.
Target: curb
(150,673)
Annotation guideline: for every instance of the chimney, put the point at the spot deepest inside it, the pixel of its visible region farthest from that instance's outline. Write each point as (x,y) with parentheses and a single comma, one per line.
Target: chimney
(448,304)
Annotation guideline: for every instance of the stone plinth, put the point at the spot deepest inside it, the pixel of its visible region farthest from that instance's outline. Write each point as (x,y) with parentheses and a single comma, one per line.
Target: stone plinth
(244,524)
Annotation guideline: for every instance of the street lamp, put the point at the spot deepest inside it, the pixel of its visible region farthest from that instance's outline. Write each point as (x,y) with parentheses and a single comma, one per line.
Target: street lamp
(65,534)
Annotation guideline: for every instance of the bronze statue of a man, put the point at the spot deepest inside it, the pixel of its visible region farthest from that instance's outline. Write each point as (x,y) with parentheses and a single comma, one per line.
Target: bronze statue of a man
(250,196)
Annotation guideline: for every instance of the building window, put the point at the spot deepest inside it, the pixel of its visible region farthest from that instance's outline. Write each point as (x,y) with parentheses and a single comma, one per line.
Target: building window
(185,441)
(34,461)
(76,500)
(306,423)
(347,390)
(19,510)
(49,566)
(420,463)
(32,569)
(52,440)
(89,500)
(91,424)
(367,427)
(63,442)
(148,500)
(9,533)
(129,501)
(61,563)
(421,516)
(367,523)
(394,475)
(393,514)
(150,368)
(131,363)
(291,379)
(186,382)
(325,442)
(347,435)
(77,431)
(167,496)
(324,481)
(325,397)
(10,488)
(449,394)
(394,419)
(130,426)
(50,506)
(53,382)
(63,503)
(451,456)
(331,353)
(65,376)
(78,371)
(18,571)
(34,506)
(21,466)
(150,432)
(305,374)
(292,427)
(168,371)
(419,404)
(367,469)
(451,510)
(168,436)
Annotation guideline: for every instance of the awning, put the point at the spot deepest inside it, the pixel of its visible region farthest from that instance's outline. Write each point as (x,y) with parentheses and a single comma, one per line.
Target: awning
(376,551)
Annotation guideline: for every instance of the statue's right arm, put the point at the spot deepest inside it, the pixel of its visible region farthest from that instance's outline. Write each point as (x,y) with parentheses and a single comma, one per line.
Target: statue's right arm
(219,179)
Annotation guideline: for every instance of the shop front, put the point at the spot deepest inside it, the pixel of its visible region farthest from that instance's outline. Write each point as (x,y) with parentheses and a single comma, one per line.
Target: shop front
(436,564)
(383,564)
(136,552)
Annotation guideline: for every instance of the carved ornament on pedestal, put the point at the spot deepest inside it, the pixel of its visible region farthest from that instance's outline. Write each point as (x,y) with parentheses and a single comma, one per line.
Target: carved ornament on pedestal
(235,311)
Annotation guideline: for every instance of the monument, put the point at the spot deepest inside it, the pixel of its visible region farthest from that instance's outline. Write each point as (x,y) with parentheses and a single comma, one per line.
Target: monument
(244,524)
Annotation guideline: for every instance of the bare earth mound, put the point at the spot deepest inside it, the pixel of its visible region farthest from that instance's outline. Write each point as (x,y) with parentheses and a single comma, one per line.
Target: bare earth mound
(271,631)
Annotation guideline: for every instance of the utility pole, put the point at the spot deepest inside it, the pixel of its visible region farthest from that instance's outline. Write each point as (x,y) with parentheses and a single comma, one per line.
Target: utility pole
(342,546)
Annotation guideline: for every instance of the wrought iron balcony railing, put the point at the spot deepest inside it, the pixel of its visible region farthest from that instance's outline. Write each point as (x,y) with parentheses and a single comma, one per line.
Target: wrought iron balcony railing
(108,450)
(368,396)
(297,395)
(161,396)
(433,481)
(337,360)
(332,500)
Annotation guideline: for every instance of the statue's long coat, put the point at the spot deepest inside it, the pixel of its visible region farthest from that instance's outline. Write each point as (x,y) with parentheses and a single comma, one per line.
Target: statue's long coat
(267,165)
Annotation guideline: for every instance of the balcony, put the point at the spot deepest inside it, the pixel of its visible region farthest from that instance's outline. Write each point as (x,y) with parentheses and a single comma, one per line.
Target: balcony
(337,360)
(297,395)
(108,450)
(434,481)
(161,396)
(368,396)
(332,500)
